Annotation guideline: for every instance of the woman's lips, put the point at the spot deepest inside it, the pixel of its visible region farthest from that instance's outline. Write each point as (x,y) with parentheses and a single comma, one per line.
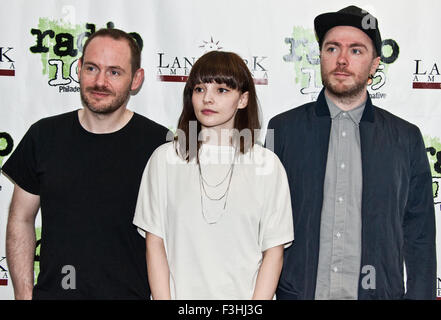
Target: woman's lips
(208,112)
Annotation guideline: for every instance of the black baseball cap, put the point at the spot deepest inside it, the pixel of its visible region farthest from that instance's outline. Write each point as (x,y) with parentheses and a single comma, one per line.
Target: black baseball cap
(350,16)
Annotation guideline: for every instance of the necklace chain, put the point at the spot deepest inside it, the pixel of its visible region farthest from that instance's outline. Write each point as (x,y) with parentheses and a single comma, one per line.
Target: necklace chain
(218,184)
(203,182)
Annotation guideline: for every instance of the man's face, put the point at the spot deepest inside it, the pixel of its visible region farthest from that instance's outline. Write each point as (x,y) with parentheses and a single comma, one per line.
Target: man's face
(105,75)
(346,60)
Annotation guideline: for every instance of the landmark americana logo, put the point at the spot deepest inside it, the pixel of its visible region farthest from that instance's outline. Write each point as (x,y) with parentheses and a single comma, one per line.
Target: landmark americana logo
(7,64)
(426,75)
(172,68)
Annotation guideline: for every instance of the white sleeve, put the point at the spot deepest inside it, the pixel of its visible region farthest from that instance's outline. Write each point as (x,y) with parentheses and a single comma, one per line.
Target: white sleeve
(277,223)
(150,207)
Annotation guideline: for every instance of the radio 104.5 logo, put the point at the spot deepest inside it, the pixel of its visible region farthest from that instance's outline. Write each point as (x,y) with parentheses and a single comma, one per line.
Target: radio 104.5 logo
(60,44)
(305,55)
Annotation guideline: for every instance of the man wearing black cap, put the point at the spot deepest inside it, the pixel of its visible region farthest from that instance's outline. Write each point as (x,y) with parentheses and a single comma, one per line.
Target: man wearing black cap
(361,186)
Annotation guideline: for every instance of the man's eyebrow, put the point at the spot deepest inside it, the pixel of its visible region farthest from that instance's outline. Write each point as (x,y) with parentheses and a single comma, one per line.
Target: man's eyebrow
(90,63)
(108,67)
(335,43)
(338,44)
(115,67)
(357,44)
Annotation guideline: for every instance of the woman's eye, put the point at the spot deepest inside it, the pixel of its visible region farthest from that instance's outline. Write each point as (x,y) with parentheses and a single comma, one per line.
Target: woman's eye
(198,89)
(223,90)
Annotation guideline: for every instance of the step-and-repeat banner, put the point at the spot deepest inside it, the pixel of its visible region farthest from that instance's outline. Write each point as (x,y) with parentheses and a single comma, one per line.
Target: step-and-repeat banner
(41,41)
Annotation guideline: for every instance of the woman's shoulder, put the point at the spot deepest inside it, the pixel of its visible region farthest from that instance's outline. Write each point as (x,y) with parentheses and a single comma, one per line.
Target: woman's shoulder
(263,153)
(265,160)
(167,154)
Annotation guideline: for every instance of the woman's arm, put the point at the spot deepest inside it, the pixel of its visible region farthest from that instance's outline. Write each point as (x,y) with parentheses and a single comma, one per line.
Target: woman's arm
(269,273)
(157,267)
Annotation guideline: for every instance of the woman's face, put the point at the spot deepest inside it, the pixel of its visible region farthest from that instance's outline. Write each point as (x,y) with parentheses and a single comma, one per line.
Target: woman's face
(215,105)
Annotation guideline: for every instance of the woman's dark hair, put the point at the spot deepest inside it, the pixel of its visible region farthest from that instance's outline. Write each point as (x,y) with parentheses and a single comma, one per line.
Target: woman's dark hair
(222,68)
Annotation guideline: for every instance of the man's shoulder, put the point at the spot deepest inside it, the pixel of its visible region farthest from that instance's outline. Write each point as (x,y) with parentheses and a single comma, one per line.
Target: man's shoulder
(293,114)
(388,118)
(149,124)
(66,116)
(61,120)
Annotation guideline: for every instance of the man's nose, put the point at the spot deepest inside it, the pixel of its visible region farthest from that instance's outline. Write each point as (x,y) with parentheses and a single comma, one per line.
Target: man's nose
(100,79)
(342,59)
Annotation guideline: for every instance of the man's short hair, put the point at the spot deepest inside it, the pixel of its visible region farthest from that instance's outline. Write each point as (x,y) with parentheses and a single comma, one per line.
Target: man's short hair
(118,34)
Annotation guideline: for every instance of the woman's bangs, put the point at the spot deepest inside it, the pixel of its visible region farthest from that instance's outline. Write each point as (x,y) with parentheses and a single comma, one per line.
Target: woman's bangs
(218,73)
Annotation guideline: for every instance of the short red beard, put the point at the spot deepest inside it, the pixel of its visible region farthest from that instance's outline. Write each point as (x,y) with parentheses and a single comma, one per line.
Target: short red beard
(346,92)
(116,103)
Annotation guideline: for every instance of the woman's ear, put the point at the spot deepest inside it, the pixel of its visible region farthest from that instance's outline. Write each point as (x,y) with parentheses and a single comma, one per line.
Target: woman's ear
(243,100)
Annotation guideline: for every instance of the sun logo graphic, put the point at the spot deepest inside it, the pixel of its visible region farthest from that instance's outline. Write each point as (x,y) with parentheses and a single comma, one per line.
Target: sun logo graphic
(177,69)
(210,45)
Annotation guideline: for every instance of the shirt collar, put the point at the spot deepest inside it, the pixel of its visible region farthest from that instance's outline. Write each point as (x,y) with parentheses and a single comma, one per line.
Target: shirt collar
(354,114)
(322,109)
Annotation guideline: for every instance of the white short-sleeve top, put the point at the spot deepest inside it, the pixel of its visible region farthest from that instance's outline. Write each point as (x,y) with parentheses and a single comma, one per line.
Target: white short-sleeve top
(217,260)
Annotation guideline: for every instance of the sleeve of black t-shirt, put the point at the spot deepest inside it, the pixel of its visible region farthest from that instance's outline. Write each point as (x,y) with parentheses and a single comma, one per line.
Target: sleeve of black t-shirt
(21,166)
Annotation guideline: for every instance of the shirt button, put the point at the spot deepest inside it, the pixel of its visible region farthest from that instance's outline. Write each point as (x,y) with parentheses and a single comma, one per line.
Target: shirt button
(338,234)
(340,199)
(342,166)
(343,134)
(335,269)
(344,114)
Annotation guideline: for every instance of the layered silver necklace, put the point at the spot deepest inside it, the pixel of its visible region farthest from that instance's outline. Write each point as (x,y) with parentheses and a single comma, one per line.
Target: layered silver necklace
(212,207)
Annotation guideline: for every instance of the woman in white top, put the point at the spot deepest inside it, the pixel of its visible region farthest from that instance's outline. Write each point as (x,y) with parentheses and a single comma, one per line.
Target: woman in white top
(214,206)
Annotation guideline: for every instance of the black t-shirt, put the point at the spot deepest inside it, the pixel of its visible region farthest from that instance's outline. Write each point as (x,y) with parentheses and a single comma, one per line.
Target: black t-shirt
(88,186)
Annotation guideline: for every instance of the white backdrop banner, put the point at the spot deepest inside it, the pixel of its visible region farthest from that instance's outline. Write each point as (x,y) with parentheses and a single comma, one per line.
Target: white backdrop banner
(41,42)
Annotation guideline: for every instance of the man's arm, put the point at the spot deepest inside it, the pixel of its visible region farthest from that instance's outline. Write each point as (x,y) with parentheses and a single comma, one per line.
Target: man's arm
(157,267)
(275,136)
(419,227)
(269,273)
(20,241)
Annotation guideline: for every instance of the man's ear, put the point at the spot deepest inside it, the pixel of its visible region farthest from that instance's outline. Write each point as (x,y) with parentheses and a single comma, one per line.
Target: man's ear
(79,65)
(375,64)
(137,80)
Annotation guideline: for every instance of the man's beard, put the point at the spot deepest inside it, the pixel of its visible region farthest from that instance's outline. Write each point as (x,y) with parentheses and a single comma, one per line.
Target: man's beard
(116,103)
(346,91)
